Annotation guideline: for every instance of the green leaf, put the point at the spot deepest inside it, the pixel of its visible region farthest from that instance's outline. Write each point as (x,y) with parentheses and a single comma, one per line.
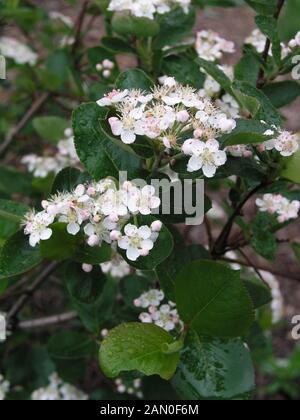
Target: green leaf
(71,345)
(181,256)
(265,7)
(61,246)
(216,73)
(291,168)
(13,181)
(137,346)
(12,211)
(184,70)
(93,255)
(214,369)
(247,68)
(99,314)
(174,26)
(50,128)
(162,247)
(101,156)
(58,64)
(268,26)
(17,256)
(124,23)
(84,287)
(263,240)
(257,103)
(212,299)
(260,293)
(116,45)
(68,179)
(282,93)
(246,132)
(134,79)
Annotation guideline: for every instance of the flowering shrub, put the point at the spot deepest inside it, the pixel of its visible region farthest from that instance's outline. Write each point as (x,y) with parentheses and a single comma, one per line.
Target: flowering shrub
(99,215)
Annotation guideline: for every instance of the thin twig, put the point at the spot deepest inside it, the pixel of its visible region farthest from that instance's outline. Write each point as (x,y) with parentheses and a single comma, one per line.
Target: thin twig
(261,79)
(254,267)
(21,302)
(36,106)
(78,25)
(48,321)
(263,268)
(209,232)
(221,243)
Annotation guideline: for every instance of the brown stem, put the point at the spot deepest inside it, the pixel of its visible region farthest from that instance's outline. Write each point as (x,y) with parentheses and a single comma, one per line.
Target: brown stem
(48,321)
(263,268)
(254,267)
(36,106)
(79,24)
(21,302)
(221,243)
(261,76)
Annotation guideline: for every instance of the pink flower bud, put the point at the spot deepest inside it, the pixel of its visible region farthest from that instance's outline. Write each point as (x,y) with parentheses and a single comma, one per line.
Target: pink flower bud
(99,67)
(93,240)
(87,268)
(198,133)
(261,148)
(91,191)
(115,235)
(156,226)
(145,252)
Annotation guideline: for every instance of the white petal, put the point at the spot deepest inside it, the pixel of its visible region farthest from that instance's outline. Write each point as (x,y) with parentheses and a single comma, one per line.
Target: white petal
(209,170)
(128,137)
(73,228)
(133,253)
(123,242)
(130,230)
(145,232)
(46,234)
(147,244)
(34,239)
(195,163)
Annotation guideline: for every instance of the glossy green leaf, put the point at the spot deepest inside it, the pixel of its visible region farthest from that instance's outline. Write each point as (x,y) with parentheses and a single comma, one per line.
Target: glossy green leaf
(68,179)
(71,345)
(291,168)
(17,256)
(134,79)
(212,299)
(268,26)
(101,156)
(282,93)
(61,245)
(259,292)
(50,128)
(214,369)
(124,23)
(137,346)
(84,287)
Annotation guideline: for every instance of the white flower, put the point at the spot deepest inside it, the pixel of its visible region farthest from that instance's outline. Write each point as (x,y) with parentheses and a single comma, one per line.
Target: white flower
(276,203)
(165,317)
(285,143)
(143,200)
(136,241)
(211,47)
(205,156)
(147,8)
(128,126)
(295,42)
(151,298)
(57,390)
(258,40)
(37,227)
(87,268)
(113,98)
(241,150)
(117,267)
(20,53)
(4,387)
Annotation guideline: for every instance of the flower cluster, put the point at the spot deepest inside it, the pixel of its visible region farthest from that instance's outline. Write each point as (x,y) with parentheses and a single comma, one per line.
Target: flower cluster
(105,68)
(258,40)
(42,166)
(100,210)
(295,42)
(211,46)
(167,114)
(277,204)
(4,387)
(130,387)
(57,390)
(284,142)
(20,53)
(147,8)
(164,315)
